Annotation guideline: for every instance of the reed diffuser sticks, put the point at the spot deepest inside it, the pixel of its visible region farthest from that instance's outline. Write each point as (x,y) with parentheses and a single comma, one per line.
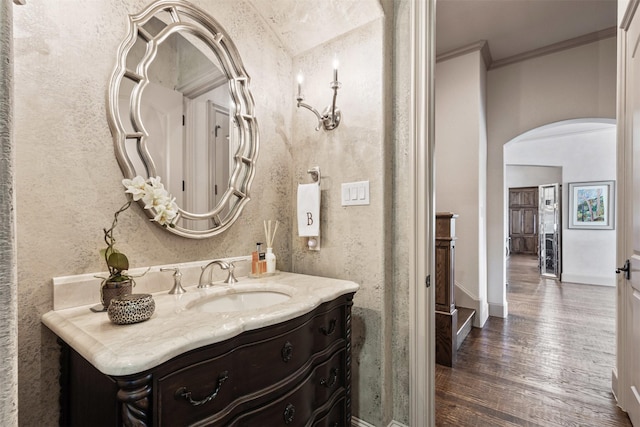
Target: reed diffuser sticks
(270,234)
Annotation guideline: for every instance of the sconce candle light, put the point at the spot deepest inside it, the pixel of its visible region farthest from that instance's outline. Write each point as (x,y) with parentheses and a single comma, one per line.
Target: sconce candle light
(331,116)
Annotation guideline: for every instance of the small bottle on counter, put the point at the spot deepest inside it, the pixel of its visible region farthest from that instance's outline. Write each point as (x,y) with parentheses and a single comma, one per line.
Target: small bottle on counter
(271,261)
(255,261)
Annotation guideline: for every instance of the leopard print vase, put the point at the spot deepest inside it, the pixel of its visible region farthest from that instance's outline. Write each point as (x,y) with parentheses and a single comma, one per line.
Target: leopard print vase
(130,309)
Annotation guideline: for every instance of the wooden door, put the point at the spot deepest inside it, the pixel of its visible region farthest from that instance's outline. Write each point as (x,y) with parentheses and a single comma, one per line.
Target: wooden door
(523,219)
(629,206)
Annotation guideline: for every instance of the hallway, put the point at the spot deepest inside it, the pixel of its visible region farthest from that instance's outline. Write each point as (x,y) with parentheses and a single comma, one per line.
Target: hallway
(548,364)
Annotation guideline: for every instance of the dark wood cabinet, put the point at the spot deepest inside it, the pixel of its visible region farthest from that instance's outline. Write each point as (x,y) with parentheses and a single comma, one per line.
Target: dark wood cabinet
(296,373)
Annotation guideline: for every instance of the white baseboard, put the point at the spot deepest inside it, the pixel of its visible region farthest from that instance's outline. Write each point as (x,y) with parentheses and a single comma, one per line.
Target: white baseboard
(482,315)
(589,279)
(498,310)
(464,298)
(356,422)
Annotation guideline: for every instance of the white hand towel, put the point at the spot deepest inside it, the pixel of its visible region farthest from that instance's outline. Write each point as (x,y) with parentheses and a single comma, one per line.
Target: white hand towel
(309,209)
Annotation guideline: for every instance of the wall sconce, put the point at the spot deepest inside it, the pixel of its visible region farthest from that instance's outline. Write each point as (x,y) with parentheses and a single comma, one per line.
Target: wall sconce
(330,117)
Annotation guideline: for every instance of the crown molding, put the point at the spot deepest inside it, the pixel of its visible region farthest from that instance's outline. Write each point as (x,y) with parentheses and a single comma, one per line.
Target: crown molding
(557,47)
(483,47)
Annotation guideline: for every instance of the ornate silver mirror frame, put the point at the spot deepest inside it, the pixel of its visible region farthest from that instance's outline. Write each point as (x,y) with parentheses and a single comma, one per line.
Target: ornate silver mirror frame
(131,138)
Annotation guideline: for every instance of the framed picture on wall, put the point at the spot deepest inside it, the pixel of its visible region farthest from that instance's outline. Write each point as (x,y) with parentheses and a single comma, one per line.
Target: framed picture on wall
(591,205)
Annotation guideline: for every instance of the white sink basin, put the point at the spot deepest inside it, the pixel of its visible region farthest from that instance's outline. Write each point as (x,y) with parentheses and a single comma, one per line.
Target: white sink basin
(238,301)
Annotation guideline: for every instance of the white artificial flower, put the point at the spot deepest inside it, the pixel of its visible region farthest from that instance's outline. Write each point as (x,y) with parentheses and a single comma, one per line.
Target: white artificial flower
(164,215)
(152,192)
(156,197)
(155,183)
(137,187)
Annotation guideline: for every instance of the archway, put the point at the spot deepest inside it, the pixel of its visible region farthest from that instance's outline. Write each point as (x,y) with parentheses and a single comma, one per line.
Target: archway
(583,151)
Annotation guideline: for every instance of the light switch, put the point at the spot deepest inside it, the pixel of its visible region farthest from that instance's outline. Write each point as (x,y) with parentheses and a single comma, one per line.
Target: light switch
(355,193)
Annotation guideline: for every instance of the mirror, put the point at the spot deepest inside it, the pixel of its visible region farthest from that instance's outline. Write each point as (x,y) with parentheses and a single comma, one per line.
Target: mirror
(180,108)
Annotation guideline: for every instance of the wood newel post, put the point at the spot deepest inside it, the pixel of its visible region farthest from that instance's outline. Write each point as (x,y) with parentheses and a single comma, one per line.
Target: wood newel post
(445,261)
(446,313)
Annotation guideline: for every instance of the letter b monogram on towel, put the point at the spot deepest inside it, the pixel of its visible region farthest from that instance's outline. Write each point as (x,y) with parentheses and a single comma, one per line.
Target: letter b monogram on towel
(308,210)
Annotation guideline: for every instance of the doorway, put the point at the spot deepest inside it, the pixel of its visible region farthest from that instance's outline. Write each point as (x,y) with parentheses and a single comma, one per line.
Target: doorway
(535,224)
(570,151)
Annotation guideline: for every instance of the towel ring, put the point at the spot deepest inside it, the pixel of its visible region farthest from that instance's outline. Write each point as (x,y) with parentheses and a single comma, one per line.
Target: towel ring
(315,173)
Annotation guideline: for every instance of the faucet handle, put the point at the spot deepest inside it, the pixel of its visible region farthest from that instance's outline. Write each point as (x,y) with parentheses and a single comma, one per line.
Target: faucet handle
(177,280)
(231,278)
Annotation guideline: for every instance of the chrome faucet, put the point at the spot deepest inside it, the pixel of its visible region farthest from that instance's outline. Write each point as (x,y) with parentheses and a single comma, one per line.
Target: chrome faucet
(202,283)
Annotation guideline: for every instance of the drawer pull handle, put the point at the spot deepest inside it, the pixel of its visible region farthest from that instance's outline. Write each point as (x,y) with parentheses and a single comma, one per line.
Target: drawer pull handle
(332,328)
(289,413)
(182,391)
(330,382)
(287,352)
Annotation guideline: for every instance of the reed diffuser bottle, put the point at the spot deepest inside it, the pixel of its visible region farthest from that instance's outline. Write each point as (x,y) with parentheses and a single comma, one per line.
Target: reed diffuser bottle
(270,235)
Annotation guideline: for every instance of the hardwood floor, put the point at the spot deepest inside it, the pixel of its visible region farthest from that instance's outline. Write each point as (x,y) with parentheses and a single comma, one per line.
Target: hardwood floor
(548,364)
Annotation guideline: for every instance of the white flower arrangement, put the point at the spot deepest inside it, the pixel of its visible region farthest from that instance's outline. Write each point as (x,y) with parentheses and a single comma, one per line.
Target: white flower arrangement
(152,192)
(154,195)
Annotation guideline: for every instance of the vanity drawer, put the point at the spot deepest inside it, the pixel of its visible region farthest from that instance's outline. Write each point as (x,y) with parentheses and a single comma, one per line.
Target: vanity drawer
(335,417)
(243,371)
(311,399)
(246,373)
(327,327)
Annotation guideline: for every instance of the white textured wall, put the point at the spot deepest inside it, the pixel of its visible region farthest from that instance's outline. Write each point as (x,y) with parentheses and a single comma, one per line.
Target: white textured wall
(588,256)
(354,244)
(575,83)
(68,181)
(8,268)
(460,161)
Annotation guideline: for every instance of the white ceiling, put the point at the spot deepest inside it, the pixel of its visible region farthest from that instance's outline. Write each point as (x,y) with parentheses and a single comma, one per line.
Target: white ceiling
(513,27)
(510,27)
(304,24)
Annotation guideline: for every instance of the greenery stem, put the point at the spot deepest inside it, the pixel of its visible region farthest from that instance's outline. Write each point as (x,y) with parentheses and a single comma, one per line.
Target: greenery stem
(109,239)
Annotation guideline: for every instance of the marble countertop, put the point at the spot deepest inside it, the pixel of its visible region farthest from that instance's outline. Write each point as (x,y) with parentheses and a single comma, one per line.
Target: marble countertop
(176,328)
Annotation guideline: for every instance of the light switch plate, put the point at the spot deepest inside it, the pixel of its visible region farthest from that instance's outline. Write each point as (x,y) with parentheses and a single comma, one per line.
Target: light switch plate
(355,193)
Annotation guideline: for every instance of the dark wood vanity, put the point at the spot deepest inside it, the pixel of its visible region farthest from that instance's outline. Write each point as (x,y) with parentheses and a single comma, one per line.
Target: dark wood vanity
(295,373)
